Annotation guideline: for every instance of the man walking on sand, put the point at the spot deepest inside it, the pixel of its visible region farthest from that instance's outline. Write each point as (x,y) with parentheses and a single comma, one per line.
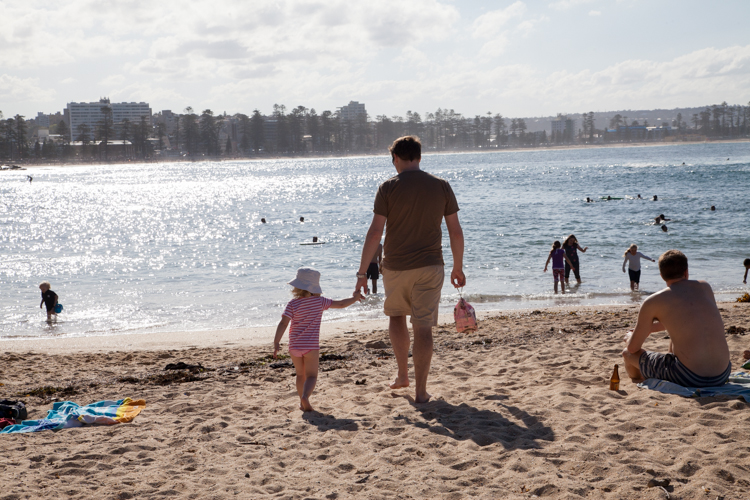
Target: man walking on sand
(411,207)
(698,352)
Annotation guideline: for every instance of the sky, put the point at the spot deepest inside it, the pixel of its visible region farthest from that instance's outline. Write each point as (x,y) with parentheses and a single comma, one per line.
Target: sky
(517,58)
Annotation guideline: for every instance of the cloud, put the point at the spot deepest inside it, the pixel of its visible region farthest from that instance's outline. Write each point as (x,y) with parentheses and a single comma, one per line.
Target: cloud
(224,33)
(492,23)
(595,13)
(700,76)
(569,4)
(23,89)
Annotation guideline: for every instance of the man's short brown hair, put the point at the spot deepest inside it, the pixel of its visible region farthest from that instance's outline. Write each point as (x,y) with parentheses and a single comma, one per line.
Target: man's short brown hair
(672,265)
(408,148)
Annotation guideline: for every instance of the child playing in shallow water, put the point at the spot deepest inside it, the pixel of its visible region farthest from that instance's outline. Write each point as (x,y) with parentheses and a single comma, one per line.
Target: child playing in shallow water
(558,257)
(305,312)
(49,299)
(633,258)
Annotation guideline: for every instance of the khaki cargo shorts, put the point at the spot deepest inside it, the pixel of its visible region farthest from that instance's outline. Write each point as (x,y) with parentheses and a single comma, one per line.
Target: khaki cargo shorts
(415,293)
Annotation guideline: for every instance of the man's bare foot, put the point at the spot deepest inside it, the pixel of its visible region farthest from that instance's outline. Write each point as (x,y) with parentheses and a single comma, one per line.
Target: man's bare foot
(637,380)
(399,383)
(746,354)
(419,399)
(304,405)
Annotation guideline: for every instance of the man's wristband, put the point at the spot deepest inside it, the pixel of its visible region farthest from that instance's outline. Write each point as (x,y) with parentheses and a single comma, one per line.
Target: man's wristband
(360,276)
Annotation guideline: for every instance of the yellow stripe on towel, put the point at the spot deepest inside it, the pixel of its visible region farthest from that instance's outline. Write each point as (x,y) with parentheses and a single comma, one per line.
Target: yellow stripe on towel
(129,409)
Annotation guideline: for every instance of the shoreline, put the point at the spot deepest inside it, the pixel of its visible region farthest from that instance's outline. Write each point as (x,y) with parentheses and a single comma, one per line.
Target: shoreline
(250,337)
(555,147)
(254,336)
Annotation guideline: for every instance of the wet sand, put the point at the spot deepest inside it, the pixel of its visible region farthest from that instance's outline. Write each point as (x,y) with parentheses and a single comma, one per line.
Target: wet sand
(520,408)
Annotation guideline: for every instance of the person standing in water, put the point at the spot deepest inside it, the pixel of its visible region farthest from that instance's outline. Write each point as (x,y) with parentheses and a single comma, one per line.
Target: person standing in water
(633,258)
(571,248)
(373,270)
(557,255)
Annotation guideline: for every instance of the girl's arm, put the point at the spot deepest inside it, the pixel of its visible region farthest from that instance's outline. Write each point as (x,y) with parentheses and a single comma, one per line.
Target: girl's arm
(646,257)
(623,263)
(582,249)
(547,263)
(280,333)
(341,304)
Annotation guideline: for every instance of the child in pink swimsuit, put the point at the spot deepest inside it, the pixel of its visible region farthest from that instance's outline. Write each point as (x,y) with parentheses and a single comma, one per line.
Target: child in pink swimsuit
(558,257)
(305,312)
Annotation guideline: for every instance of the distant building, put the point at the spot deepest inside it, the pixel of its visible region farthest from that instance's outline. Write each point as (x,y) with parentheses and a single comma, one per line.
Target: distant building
(90,113)
(270,133)
(630,133)
(42,120)
(563,129)
(169,119)
(352,111)
(115,149)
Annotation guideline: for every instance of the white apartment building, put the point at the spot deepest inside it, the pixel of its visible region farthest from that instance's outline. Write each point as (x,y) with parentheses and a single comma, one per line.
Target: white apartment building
(352,111)
(90,113)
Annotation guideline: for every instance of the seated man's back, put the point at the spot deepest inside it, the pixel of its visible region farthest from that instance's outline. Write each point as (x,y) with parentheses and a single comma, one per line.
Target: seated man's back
(688,311)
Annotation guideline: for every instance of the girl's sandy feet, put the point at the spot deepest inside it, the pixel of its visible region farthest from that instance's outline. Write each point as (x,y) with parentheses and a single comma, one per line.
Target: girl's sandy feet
(304,405)
(746,354)
(399,383)
(422,399)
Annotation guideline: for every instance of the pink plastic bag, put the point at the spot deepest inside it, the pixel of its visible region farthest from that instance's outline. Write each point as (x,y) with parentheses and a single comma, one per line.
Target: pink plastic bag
(466,318)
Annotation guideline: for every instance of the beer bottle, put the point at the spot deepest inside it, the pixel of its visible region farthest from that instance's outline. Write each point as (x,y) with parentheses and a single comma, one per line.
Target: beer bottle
(614,381)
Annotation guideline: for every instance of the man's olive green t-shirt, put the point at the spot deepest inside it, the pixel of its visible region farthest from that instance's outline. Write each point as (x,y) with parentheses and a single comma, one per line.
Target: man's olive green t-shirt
(414,204)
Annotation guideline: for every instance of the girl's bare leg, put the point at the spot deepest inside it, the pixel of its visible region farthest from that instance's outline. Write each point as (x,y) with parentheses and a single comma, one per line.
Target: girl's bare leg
(311,378)
(299,367)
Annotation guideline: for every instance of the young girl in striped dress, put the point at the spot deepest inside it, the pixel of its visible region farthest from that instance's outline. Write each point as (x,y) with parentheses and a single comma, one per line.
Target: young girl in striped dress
(305,312)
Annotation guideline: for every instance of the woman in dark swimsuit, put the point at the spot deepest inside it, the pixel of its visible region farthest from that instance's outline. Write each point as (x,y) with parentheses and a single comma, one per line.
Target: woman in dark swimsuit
(571,248)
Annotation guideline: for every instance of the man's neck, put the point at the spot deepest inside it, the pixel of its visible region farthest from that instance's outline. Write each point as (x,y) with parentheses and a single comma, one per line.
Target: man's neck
(672,282)
(405,165)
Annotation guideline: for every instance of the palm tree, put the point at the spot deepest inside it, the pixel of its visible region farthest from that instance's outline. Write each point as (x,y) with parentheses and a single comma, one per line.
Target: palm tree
(20,135)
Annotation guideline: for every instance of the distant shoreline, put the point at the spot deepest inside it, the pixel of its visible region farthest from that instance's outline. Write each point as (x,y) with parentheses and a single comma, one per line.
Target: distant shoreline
(556,147)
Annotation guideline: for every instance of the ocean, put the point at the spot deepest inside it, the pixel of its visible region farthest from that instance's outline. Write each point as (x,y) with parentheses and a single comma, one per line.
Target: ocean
(142,248)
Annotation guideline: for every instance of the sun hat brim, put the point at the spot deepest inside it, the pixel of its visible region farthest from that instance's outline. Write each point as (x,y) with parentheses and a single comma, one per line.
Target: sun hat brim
(304,285)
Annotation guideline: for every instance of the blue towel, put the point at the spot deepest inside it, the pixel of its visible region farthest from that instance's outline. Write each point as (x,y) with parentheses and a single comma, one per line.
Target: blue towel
(67,414)
(738,385)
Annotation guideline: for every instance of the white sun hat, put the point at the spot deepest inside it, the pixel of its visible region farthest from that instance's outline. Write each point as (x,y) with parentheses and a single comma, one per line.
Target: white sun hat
(307,279)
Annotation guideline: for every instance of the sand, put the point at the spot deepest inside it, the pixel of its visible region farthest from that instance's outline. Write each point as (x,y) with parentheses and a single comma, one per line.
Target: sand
(520,408)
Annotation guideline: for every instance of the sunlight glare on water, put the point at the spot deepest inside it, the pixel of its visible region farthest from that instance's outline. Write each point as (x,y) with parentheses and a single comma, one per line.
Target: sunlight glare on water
(180,246)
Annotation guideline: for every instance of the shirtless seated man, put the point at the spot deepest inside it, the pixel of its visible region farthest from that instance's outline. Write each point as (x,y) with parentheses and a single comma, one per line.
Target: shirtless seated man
(698,351)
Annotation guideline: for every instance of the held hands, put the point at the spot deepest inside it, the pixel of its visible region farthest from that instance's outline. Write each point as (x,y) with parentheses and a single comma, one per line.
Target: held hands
(361,285)
(357,296)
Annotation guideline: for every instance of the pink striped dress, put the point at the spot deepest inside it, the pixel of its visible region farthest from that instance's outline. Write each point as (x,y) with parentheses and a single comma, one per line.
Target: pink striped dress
(305,313)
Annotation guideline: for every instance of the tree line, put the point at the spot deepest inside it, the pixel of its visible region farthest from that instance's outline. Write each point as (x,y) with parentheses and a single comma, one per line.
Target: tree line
(302,130)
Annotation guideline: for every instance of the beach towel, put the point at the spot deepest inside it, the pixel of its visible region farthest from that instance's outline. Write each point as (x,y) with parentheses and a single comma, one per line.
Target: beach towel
(67,414)
(738,385)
